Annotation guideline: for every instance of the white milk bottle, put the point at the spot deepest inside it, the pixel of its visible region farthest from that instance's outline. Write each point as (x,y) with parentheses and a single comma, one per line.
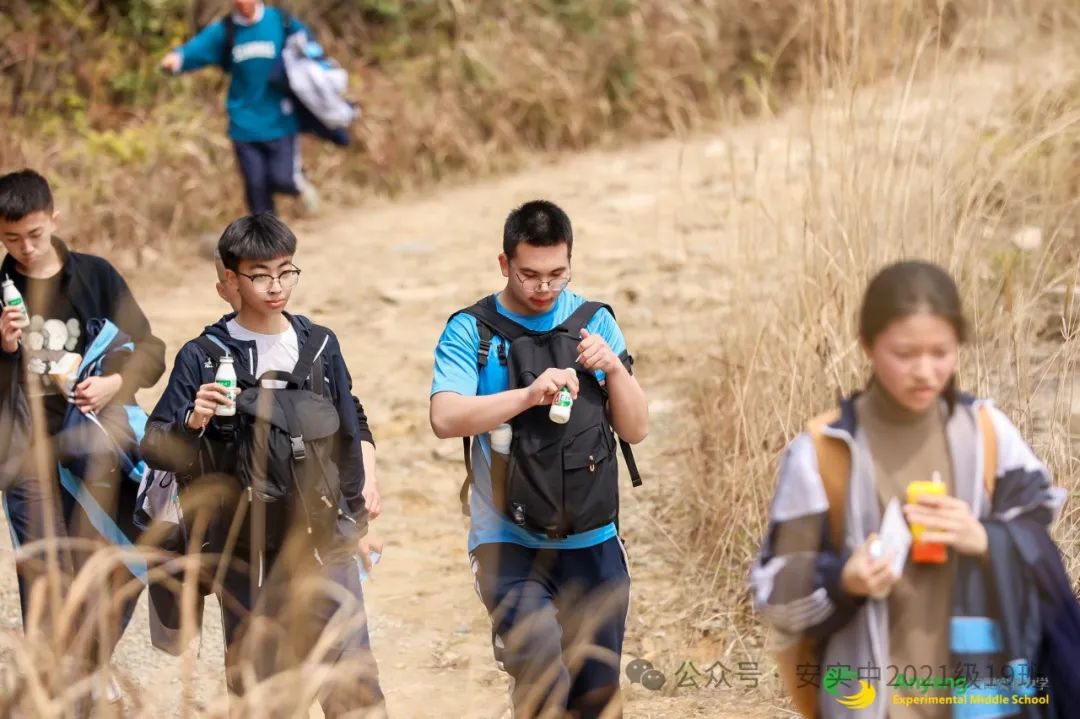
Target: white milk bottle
(560,408)
(12,298)
(226,377)
(500,438)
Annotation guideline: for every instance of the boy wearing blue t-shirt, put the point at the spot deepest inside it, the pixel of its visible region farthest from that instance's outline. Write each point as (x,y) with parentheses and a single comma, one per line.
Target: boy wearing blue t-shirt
(538,585)
(262,123)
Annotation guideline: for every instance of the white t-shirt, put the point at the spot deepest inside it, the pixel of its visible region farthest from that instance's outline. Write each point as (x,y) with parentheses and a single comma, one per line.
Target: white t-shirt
(275,352)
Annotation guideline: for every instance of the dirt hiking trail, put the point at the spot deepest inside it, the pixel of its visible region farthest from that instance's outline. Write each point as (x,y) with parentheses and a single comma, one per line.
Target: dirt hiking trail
(666,233)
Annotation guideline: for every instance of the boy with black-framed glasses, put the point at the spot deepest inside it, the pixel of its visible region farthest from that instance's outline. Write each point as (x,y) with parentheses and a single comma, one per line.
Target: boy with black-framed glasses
(289,554)
(543,537)
(372,496)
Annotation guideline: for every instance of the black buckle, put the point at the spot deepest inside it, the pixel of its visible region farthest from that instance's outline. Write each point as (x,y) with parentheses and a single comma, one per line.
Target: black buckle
(482,353)
(298,451)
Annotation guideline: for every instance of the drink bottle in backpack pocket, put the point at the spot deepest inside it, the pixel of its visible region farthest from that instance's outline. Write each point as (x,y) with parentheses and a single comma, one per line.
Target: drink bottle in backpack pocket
(500,439)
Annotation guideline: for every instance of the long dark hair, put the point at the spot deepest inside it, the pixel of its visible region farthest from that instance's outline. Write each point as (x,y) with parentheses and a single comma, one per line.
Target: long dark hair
(907,288)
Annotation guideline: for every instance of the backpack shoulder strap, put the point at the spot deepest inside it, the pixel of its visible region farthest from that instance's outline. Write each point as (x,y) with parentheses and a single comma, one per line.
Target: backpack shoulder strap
(484,349)
(489,323)
(790,664)
(287,21)
(834,466)
(230,40)
(215,349)
(463,493)
(631,463)
(318,379)
(990,450)
(486,312)
(582,316)
(312,351)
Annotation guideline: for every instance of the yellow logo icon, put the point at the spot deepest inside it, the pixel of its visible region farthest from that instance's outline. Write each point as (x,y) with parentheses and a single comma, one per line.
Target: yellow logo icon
(860,699)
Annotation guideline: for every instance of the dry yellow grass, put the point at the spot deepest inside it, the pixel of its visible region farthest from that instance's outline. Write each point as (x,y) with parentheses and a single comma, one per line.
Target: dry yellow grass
(878,182)
(449,89)
(931,168)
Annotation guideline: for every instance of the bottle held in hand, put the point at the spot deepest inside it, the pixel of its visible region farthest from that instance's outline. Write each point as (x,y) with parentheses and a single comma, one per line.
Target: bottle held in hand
(560,408)
(926,552)
(226,377)
(12,296)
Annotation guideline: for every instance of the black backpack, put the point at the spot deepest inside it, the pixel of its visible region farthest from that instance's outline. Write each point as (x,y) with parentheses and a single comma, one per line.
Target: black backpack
(561,479)
(285,439)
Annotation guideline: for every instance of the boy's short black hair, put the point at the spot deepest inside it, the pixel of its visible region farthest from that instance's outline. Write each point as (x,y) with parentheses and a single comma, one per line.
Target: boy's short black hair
(539,223)
(23,193)
(255,237)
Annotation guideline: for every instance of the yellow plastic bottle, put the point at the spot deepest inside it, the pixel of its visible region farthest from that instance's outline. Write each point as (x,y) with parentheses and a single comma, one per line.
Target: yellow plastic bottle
(926,552)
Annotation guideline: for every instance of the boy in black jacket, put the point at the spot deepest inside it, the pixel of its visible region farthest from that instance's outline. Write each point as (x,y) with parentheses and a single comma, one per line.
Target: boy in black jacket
(267,576)
(372,496)
(66,294)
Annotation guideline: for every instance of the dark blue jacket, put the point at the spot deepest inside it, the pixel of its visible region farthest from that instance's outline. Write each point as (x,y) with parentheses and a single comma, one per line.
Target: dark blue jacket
(170,446)
(97,291)
(1031,582)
